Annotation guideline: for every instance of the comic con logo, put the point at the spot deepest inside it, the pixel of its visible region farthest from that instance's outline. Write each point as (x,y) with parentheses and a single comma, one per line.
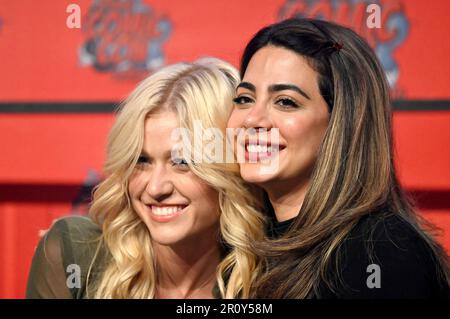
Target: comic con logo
(124,37)
(352,13)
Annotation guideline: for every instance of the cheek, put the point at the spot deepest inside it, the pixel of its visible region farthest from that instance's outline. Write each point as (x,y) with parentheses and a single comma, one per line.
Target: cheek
(136,184)
(292,128)
(303,130)
(236,119)
(198,192)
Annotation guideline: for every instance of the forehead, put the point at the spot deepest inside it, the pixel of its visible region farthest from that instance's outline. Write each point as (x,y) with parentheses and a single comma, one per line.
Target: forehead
(158,131)
(272,64)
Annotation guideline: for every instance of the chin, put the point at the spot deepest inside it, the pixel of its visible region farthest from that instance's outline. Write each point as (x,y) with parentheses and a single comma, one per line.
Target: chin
(165,242)
(257,174)
(166,239)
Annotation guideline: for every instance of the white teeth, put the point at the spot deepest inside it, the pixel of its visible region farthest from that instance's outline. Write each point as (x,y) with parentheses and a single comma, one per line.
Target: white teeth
(165,210)
(256,148)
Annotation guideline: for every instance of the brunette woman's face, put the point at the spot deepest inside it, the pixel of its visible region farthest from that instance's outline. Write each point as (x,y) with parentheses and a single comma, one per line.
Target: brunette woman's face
(280,90)
(175,204)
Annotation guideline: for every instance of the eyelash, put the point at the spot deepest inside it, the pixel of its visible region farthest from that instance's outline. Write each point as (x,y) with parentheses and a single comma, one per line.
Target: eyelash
(287,102)
(291,103)
(181,162)
(142,160)
(238,100)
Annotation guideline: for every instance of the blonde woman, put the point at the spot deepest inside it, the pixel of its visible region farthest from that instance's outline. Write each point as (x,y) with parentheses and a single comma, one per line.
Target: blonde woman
(160,226)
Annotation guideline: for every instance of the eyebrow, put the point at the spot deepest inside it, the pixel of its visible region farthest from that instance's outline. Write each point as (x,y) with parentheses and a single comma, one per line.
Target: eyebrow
(282,87)
(166,154)
(275,88)
(247,85)
(144,154)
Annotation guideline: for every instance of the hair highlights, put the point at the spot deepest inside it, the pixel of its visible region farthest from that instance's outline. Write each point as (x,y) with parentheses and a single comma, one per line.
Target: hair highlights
(201,91)
(354,174)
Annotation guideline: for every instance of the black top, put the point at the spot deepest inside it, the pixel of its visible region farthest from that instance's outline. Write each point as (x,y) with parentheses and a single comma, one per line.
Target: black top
(407,267)
(401,264)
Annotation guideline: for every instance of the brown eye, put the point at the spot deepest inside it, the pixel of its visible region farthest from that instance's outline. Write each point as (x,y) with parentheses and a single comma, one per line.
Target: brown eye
(240,100)
(287,103)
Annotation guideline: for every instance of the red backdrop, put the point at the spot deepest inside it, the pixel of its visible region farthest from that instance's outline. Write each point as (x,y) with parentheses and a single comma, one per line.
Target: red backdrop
(46,157)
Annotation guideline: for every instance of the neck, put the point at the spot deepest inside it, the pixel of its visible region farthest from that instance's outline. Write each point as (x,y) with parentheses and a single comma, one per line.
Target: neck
(287,200)
(187,271)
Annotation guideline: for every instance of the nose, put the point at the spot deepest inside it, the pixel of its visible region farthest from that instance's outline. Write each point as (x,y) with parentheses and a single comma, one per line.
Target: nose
(257,117)
(160,184)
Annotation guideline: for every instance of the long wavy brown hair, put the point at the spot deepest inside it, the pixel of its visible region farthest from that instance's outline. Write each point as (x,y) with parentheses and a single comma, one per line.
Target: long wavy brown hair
(354,174)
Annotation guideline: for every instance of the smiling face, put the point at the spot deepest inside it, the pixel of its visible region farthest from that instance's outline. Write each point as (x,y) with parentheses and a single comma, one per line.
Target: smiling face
(175,204)
(280,90)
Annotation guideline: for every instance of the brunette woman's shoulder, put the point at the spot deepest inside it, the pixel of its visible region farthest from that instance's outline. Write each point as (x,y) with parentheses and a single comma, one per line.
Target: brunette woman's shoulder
(384,256)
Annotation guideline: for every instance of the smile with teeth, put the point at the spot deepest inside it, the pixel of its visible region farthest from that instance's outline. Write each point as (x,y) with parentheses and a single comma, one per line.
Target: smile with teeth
(166,210)
(165,213)
(261,151)
(256,148)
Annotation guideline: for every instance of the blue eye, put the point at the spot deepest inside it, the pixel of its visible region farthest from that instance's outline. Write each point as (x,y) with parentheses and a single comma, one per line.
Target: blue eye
(180,162)
(142,162)
(142,159)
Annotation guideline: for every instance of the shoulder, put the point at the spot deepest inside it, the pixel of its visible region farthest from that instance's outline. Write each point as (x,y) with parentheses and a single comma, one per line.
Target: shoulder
(78,243)
(79,238)
(63,259)
(384,229)
(68,232)
(384,256)
(76,226)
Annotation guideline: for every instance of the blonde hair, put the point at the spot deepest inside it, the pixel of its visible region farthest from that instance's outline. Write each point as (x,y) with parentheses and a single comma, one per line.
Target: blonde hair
(203,91)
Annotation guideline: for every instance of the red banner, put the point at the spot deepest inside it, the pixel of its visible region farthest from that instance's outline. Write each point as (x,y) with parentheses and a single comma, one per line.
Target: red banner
(119,42)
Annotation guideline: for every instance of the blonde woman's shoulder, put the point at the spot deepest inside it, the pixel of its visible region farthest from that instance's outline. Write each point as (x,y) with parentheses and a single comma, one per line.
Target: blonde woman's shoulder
(67,254)
(73,228)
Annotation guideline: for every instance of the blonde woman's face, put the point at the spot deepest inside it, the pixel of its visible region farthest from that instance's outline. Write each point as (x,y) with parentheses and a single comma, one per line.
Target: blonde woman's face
(177,206)
(280,90)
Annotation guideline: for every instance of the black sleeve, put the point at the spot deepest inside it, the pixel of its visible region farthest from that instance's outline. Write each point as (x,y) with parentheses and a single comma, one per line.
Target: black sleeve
(384,257)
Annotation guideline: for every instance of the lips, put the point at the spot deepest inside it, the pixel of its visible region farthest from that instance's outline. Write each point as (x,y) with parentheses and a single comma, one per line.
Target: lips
(166,213)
